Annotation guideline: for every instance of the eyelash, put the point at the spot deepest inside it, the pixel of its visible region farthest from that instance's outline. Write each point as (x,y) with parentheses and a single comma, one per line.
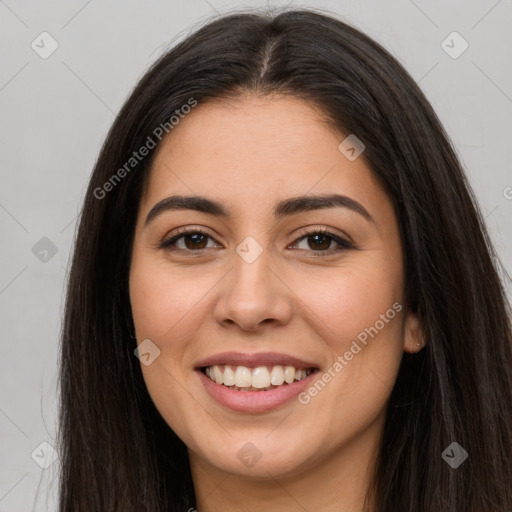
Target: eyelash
(344,244)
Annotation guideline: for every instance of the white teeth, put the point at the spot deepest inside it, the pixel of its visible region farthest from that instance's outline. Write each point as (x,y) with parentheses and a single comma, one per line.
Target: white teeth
(229,376)
(260,378)
(243,377)
(217,374)
(289,374)
(277,376)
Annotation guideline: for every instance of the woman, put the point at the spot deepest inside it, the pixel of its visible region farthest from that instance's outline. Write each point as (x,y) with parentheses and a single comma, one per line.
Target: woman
(282,291)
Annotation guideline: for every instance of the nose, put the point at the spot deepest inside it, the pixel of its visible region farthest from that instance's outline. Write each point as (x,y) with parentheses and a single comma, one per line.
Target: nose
(254,294)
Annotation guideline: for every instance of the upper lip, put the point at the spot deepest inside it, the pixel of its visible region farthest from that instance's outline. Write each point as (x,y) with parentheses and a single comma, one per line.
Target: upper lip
(254,360)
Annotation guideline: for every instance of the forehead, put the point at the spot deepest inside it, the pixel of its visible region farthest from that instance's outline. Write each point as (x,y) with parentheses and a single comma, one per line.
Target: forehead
(253,150)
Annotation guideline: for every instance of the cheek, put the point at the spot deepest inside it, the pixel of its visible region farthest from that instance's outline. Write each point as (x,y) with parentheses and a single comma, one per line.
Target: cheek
(346,301)
(162,298)
(358,314)
(160,303)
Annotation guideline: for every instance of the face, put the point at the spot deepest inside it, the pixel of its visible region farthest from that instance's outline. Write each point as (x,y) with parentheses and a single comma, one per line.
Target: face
(259,287)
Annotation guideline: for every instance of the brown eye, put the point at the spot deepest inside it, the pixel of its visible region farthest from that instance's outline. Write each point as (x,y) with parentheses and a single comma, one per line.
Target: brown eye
(191,240)
(195,241)
(320,241)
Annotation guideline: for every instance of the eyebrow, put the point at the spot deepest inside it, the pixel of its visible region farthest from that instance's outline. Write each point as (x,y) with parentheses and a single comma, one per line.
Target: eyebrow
(282,209)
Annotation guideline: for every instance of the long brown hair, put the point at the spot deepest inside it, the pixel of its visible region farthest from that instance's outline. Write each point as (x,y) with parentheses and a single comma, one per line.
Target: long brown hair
(118,453)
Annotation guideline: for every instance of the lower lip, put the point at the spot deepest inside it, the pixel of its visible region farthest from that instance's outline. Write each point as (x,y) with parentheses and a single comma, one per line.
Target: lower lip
(254,401)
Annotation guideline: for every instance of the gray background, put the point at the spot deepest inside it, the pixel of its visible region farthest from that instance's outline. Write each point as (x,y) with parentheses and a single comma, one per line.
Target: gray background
(55,113)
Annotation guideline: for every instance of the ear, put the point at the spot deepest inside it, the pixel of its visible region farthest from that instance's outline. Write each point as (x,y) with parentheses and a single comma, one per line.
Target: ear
(413,333)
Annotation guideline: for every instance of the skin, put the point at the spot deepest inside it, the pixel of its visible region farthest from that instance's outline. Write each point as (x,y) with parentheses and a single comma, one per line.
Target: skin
(249,154)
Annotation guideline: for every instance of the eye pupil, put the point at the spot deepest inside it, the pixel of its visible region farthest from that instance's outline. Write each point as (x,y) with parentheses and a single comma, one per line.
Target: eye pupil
(194,236)
(324,245)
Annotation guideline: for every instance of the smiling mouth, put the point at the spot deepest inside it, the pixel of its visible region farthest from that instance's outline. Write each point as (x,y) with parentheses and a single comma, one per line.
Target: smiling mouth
(260,378)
